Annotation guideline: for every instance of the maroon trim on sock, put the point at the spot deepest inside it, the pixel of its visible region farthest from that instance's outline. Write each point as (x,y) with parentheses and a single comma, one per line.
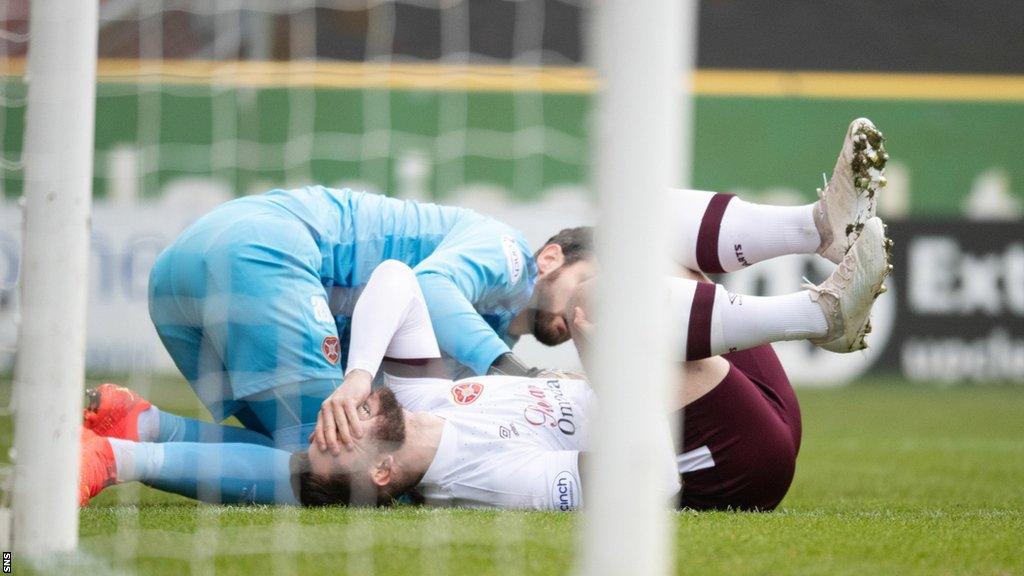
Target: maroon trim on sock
(698,334)
(707,235)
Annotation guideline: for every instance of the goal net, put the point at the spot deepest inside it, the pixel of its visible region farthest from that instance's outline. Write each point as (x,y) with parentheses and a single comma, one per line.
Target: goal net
(487,104)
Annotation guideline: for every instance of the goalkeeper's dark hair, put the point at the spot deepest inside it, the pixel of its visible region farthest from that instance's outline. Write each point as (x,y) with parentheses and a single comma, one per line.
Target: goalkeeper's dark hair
(577,244)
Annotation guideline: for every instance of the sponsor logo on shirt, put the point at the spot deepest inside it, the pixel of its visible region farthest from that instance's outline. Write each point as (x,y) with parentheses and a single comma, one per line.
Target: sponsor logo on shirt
(554,410)
(321,311)
(513,258)
(565,491)
(331,349)
(467,392)
(509,431)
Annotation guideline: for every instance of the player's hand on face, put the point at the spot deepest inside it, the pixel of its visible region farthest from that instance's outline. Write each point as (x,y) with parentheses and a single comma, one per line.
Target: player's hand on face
(581,322)
(583,328)
(338,424)
(580,325)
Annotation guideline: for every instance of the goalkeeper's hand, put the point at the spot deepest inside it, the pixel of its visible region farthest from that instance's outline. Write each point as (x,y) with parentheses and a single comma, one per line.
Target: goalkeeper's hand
(582,329)
(508,364)
(562,375)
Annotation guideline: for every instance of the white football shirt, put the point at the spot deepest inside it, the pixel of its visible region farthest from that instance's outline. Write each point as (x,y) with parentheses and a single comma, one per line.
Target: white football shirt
(508,442)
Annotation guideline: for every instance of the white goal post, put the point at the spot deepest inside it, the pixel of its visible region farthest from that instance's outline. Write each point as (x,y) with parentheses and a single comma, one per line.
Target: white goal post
(641,148)
(644,53)
(50,362)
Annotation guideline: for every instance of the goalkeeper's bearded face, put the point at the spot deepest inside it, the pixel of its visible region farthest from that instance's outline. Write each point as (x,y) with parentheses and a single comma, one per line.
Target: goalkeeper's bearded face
(552,296)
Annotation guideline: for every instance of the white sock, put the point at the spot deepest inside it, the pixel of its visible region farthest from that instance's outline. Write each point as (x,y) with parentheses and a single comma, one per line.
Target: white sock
(720,233)
(149,424)
(136,460)
(710,321)
(749,321)
(755,232)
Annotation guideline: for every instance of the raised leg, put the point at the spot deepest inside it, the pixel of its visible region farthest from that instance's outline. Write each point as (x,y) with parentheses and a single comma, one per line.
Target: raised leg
(716,233)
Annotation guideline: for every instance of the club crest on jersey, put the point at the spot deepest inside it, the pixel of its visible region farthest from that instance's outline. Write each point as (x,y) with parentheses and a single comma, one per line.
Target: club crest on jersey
(331,349)
(467,392)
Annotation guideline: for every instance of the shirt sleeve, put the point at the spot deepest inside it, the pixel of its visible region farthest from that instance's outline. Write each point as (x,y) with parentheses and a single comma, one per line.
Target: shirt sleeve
(390,318)
(484,265)
(461,331)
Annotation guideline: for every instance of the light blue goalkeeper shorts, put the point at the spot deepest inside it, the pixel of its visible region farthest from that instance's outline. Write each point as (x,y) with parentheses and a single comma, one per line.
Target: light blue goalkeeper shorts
(240,306)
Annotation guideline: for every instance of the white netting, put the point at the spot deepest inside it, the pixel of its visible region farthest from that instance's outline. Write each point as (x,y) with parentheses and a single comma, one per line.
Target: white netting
(481,104)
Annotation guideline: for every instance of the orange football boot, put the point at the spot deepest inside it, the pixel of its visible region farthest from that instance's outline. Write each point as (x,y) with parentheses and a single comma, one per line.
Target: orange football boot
(113,411)
(98,467)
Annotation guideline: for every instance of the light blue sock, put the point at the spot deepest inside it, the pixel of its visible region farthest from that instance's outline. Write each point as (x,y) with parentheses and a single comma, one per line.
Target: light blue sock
(214,473)
(174,428)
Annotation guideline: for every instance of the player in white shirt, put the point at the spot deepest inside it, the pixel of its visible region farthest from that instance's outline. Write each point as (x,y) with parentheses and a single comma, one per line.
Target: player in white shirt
(504,442)
(492,441)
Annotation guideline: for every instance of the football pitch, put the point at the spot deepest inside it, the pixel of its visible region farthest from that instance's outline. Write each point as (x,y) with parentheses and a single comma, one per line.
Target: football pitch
(891,479)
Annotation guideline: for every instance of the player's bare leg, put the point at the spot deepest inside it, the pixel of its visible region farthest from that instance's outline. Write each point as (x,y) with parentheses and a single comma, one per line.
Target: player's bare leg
(718,233)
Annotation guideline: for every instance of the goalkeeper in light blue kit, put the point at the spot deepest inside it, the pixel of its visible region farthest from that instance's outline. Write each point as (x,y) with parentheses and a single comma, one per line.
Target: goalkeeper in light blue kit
(253,301)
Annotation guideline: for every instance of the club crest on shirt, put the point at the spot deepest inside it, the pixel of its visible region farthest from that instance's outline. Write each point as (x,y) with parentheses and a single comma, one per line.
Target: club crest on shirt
(467,392)
(513,258)
(331,349)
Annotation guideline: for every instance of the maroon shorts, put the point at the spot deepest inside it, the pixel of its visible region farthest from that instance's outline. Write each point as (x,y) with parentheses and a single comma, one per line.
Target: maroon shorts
(740,440)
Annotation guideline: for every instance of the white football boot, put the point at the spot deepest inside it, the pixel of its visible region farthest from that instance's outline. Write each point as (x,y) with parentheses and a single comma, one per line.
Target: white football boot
(847,295)
(848,200)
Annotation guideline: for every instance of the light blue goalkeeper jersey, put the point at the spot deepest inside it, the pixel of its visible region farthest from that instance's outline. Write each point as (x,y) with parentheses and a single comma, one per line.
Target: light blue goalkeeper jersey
(258,293)
(476,273)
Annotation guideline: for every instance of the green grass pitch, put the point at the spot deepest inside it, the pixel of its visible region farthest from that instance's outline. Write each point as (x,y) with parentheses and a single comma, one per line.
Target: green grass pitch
(892,479)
